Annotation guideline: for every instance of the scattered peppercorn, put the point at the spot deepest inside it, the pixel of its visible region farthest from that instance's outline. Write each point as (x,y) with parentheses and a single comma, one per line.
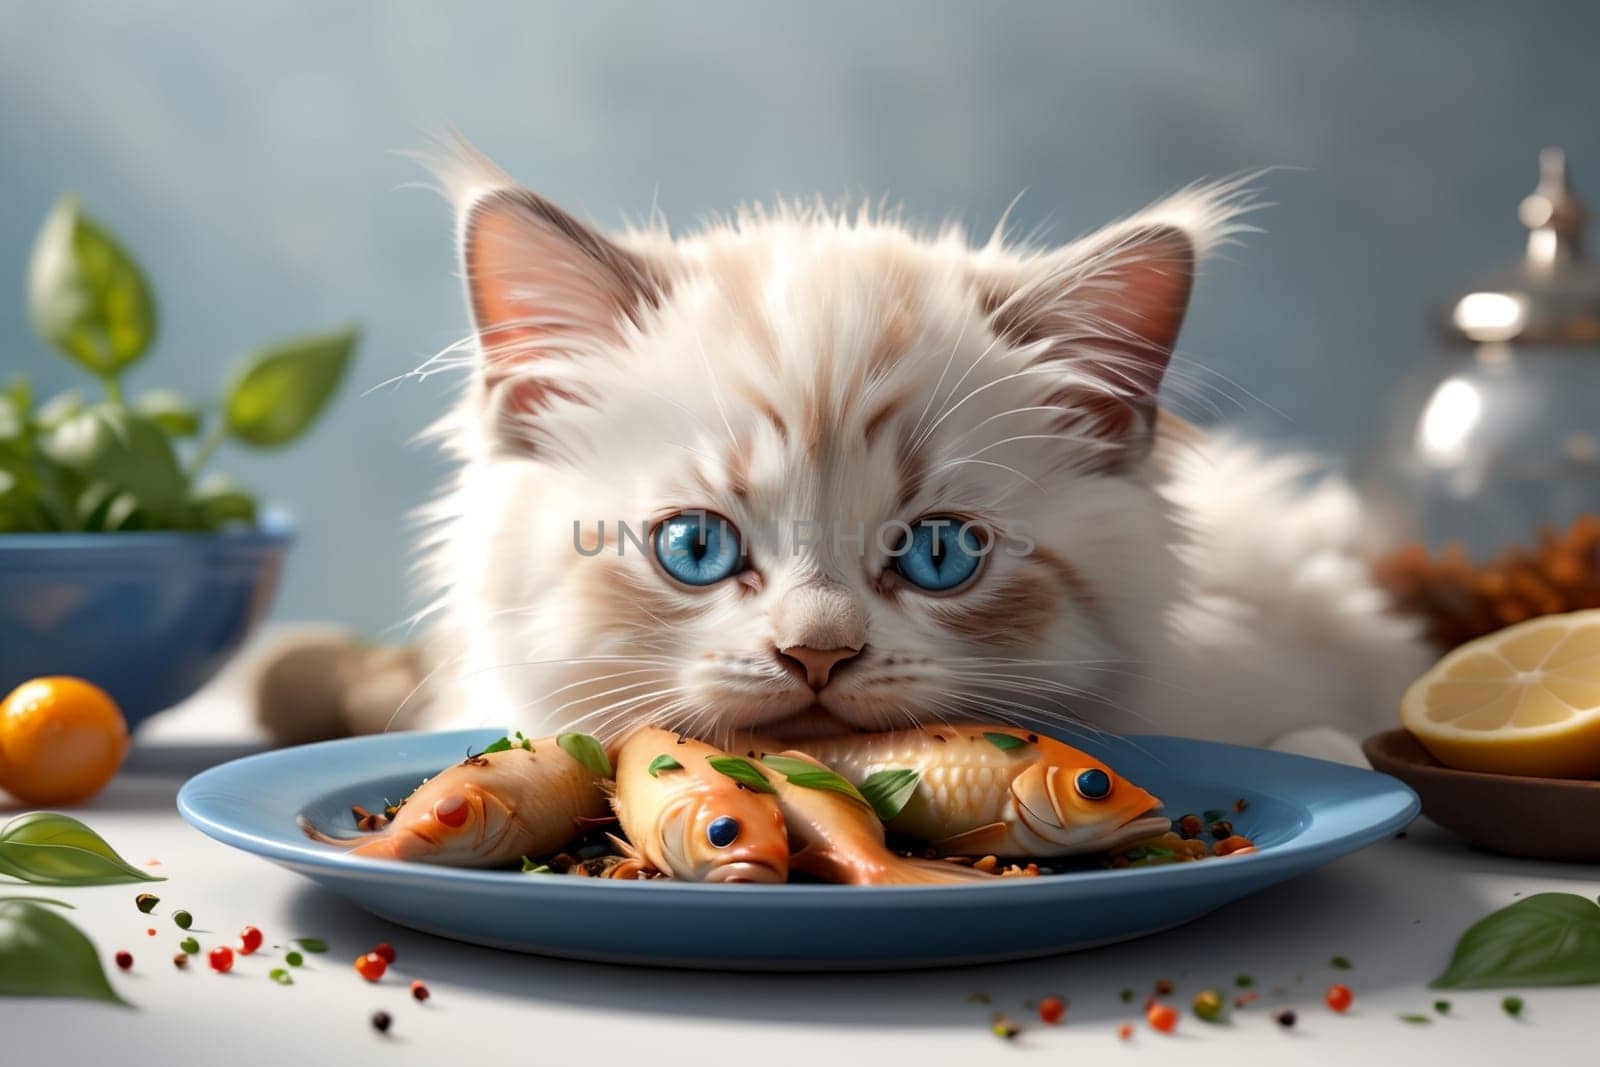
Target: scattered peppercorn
(1208,1005)
(1244,1000)
(181,960)
(146,902)
(221,959)
(1511,1006)
(1442,1007)
(125,960)
(293,959)
(1285,1018)
(249,940)
(189,945)
(1417,1020)
(1339,997)
(150,931)
(1125,1032)
(381,1021)
(1190,826)
(385,950)
(1240,805)
(1051,1009)
(1221,829)
(1000,1026)
(1127,996)
(371,966)
(1339,963)
(183,919)
(1244,981)
(978,998)
(281,976)
(419,992)
(1163,987)
(1161,1017)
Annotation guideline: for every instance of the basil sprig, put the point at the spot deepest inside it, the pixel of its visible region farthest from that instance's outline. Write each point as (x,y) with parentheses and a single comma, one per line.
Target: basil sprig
(661,763)
(507,743)
(1004,742)
(742,771)
(810,776)
(587,751)
(888,791)
(1545,939)
(46,848)
(45,955)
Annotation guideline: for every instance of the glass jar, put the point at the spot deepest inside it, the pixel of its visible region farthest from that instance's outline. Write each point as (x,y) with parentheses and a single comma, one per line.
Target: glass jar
(1485,483)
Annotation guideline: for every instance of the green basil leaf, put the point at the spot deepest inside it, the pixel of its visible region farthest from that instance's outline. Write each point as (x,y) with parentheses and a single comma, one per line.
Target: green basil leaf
(1004,742)
(888,791)
(45,848)
(58,409)
(1545,939)
(281,976)
(125,449)
(217,501)
(312,944)
(170,411)
(661,763)
(86,295)
(500,745)
(742,771)
(810,776)
(13,423)
(530,867)
(587,751)
(281,390)
(19,395)
(43,954)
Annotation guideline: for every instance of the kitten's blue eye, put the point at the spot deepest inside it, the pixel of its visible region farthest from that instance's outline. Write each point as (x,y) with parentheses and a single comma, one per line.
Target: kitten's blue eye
(723,831)
(698,548)
(940,554)
(1093,784)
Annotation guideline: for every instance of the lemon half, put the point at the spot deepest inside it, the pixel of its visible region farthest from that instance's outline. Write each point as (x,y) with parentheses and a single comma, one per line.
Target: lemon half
(1524,700)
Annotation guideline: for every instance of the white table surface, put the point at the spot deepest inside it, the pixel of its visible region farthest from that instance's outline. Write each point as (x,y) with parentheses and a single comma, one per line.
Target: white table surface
(1393,910)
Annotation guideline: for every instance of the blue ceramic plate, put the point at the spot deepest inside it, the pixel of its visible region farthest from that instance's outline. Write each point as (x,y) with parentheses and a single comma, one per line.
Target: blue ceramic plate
(1301,813)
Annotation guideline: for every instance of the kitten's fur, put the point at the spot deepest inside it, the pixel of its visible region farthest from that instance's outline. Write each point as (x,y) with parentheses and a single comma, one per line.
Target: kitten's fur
(799,364)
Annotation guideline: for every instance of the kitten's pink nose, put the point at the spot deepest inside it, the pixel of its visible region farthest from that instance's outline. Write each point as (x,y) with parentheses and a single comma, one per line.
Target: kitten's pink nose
(816,663)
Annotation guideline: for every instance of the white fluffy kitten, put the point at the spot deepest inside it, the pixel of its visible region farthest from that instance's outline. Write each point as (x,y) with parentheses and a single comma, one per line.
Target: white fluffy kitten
(770,405)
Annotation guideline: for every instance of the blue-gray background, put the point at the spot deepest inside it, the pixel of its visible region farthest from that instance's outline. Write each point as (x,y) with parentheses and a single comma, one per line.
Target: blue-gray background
(243,152)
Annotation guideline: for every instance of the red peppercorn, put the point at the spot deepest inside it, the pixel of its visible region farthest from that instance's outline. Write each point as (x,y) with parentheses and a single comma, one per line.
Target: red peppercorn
(385,950)
(1339,997)
(1051,1009)
(1125,1031)
(1162,1017)
(249,940)
(371,966)
(150,931)
(1163,987)
(221,959)
(125,960)
(420,991)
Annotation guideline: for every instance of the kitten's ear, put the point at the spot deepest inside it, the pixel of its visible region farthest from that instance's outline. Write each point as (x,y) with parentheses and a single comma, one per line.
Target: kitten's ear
(1105,313)
(543,285)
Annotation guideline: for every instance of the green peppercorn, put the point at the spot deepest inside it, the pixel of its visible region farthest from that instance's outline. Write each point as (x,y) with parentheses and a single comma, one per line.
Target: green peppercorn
(183,919)
(294,959)
(146,902)
(1511,1005)
(1208,1005)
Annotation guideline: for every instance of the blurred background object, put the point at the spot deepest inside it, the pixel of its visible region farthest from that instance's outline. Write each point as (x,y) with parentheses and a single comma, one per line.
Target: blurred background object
(1490,456)
(245,152)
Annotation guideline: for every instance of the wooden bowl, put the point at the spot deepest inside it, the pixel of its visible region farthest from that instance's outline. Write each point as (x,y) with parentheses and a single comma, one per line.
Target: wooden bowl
(1534,818)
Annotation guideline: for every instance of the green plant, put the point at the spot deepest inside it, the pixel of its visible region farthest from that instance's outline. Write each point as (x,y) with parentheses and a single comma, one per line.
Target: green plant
(71,464)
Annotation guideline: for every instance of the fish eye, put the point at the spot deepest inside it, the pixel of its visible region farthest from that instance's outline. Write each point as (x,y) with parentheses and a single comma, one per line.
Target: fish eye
(1093,784)
(942,553)
(698,548)
(723,831)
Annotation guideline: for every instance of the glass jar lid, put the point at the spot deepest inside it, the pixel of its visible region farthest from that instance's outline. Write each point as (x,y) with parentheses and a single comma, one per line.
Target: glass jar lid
(1552,295)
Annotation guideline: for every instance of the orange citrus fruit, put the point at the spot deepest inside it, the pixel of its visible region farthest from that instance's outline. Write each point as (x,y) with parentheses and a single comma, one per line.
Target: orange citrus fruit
(61,740)
(1525,700)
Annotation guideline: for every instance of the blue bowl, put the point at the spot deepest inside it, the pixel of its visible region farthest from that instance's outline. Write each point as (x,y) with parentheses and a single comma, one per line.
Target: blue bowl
(148,617)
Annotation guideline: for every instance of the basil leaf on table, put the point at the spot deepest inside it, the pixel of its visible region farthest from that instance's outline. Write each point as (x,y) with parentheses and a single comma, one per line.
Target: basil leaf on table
(889,791)
(86,295)
(282,389)
(45,848)
(587,751)
(45,955)
(1546,939)
(742,771)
